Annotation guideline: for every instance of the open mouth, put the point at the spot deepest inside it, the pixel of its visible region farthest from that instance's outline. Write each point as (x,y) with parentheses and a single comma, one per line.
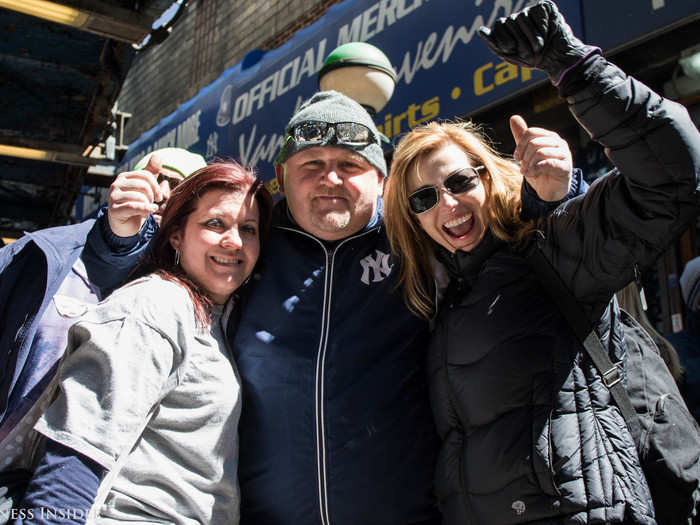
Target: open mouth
(227,261)
(460,226)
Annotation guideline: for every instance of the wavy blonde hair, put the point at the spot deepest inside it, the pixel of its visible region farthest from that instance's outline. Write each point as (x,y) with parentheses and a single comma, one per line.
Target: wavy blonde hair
(501,178)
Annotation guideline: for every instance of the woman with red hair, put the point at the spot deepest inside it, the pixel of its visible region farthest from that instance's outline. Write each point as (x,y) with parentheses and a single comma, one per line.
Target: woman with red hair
(144,427)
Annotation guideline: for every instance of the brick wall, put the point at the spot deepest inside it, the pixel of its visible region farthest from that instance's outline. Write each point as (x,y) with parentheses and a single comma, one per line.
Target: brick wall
(211,36)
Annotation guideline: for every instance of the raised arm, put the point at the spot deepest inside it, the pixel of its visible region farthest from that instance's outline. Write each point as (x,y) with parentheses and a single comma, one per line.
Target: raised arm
(627,219)
(121,235)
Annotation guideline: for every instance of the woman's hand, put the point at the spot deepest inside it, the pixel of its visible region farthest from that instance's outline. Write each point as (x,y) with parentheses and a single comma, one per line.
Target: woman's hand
(132,198)
(539,37)
(545,159)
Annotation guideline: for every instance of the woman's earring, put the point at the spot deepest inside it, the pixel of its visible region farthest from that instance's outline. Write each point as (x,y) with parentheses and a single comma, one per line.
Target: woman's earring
(177,257)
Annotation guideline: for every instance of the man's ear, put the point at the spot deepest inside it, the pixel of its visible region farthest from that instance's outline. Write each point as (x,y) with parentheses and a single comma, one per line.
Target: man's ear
(380,184)
(280,170)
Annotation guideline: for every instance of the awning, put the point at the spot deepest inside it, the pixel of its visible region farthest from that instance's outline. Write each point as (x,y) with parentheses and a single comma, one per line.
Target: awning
(444,70)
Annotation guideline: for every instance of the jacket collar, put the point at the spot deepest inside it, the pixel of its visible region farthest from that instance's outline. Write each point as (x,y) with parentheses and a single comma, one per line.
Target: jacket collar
(62,238)
(465,266)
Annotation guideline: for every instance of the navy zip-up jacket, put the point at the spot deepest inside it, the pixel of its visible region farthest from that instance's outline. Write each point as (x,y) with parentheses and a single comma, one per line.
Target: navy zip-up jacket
(31,271)
(336,425)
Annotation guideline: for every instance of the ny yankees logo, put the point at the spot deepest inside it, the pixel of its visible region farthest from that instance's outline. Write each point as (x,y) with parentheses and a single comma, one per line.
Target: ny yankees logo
(379,265)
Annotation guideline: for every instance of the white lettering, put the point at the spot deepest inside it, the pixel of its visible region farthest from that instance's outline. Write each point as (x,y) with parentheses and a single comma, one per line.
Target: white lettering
(188,131)
(265,149)
(253,95)
(245,151)
(269,87)
(308,66)
(375,19)
(239,108)
(223,115)
(402,10)
(320,55)
(378,266)
(369,21)
(292,65)
(386,14)
(212,145)
(279,82)
(166,141)
(423,59)
(351,34)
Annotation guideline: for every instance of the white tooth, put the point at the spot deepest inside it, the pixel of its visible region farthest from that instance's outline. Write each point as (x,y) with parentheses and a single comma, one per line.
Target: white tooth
(457,222)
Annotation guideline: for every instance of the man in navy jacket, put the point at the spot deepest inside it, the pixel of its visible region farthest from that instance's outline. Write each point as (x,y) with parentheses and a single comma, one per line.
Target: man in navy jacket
(336,425)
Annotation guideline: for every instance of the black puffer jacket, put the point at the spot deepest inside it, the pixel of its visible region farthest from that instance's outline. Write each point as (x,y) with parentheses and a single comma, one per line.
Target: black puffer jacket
(529,432)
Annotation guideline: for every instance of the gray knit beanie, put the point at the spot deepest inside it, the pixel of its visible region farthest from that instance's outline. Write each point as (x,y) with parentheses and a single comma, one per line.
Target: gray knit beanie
(333,107)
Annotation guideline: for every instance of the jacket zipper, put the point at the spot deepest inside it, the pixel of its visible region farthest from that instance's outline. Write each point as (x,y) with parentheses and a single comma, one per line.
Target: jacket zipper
(319,392)
(319,404)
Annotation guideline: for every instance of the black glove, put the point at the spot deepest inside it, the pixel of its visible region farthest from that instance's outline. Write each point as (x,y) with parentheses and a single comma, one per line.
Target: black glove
(538,37)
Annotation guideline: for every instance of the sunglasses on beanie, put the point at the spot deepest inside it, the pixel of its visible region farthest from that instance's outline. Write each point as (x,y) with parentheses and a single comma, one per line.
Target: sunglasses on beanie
(319,132)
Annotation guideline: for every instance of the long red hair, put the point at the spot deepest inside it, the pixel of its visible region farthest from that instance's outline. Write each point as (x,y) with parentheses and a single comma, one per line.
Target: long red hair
(184,199)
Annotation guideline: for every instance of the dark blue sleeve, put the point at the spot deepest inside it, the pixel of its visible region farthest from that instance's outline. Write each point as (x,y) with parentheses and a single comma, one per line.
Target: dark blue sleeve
(109,259)
(62,489)
(534,207)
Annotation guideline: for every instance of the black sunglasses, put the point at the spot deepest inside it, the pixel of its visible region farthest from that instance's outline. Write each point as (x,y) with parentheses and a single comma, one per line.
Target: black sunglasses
(345,133)
(172,181)
(461,181)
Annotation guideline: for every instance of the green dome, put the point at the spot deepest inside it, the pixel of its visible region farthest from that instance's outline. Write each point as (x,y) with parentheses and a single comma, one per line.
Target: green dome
(360,54)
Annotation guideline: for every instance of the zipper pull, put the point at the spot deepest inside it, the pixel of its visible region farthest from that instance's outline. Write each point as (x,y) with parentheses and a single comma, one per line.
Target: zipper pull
(638,280)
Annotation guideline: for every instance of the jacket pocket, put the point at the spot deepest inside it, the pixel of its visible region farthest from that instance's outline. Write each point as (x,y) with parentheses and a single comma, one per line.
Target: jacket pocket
(69,307)
(542,454)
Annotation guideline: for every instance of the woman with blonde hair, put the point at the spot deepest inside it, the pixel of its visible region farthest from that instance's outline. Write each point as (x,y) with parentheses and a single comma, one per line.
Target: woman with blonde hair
(529,430)
(415,242)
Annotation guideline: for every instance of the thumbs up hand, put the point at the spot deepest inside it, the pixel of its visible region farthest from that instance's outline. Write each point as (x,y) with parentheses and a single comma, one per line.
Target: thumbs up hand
(132,197)
(545,159)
